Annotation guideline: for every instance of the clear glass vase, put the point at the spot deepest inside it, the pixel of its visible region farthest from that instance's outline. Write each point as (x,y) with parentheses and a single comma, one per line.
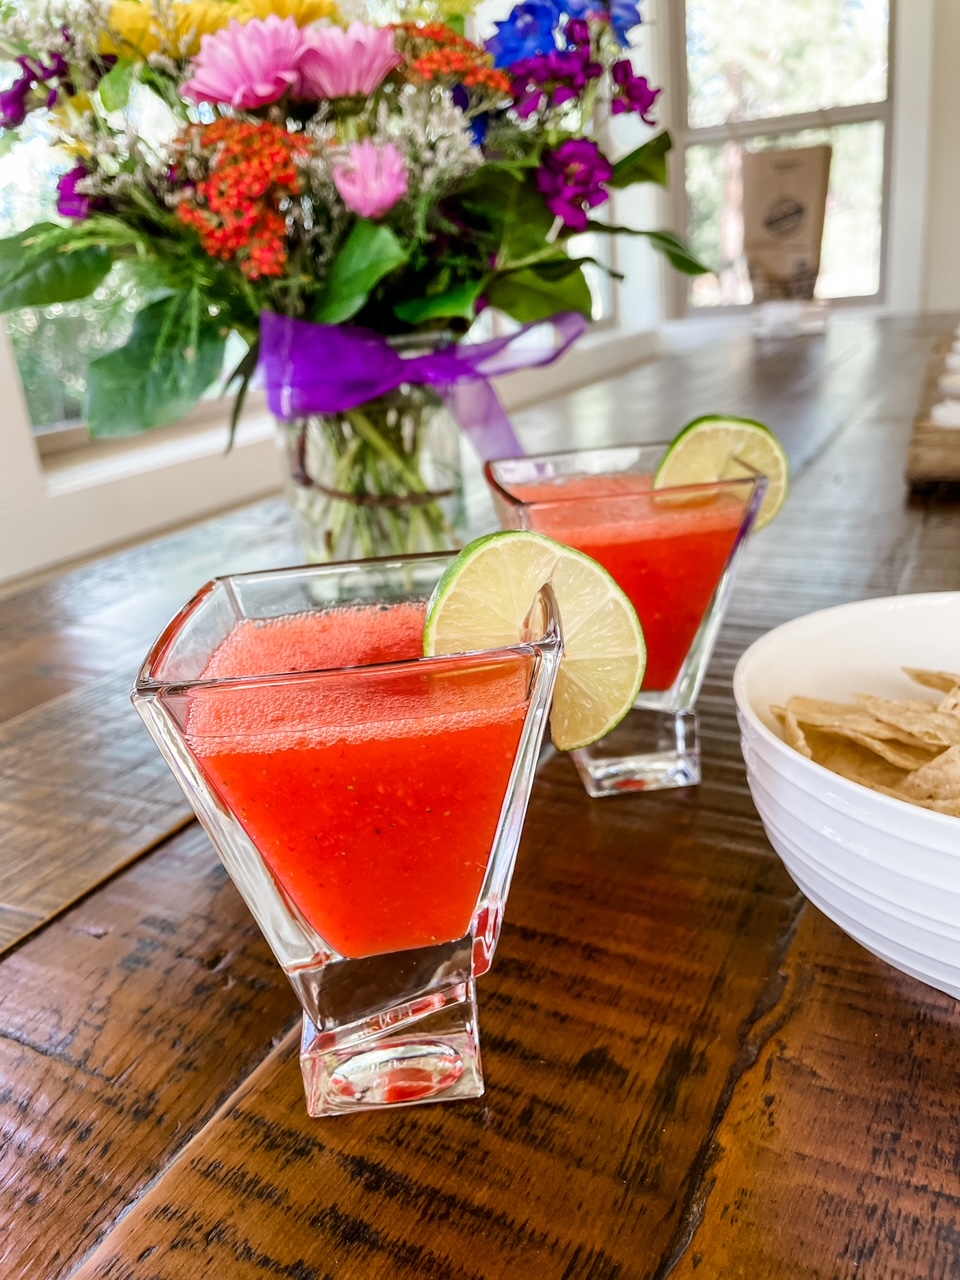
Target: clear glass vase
(369,814)
(384,478)
(674,551)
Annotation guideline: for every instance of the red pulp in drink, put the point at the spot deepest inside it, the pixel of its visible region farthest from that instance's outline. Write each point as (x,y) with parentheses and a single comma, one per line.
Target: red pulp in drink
(667,552)
(373,795)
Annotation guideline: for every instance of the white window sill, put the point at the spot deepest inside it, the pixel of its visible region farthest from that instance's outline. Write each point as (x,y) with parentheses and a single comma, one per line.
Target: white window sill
(82,501)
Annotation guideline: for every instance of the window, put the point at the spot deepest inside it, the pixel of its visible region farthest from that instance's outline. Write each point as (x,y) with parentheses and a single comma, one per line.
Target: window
(797,73)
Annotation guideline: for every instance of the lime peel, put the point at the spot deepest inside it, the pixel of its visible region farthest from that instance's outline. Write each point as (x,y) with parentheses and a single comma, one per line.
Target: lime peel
(707,447)
(483,601)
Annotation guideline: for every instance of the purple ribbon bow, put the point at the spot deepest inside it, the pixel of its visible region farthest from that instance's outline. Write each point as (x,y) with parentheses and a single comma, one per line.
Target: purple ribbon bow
(329,368)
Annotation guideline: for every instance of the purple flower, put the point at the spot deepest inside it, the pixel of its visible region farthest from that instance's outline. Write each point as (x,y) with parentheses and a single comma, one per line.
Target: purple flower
(576,33)
(571,180)
(530,29)
(16,103)
(71,203)
(13,102)
(633,92)
(557,77)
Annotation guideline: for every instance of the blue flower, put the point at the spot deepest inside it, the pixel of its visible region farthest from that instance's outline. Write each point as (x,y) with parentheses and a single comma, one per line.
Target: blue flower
(479,123)
(530,29)
(624,16)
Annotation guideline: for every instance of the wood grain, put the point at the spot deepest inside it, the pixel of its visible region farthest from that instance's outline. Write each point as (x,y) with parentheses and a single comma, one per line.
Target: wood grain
(83,791)
(122,1029)
(820,1170)
(66,630)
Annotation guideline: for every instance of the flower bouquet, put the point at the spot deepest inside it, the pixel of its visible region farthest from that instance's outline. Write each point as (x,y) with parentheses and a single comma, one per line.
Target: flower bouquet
(346,196)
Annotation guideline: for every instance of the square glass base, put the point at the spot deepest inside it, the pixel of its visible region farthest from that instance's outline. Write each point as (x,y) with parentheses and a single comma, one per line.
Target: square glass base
(426,1051)
(649,750)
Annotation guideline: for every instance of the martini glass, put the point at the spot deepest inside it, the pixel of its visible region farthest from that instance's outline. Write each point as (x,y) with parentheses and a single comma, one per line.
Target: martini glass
(674,552)
(366,801)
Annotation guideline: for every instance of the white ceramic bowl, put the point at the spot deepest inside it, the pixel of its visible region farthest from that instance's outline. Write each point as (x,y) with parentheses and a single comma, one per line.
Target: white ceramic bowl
(885,871)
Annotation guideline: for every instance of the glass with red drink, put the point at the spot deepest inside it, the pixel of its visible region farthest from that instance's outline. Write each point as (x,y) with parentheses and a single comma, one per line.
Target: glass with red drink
(673,551)
(367,802)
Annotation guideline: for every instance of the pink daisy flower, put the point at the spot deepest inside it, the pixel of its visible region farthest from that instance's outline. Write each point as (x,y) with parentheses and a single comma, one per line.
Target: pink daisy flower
(248,64)
(372,179)
(346,64)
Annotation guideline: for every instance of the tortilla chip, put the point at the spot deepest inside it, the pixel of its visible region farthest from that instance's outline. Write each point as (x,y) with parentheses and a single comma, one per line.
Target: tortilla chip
(851,760)
(904,755)
(942,680)
(950,807)
(920,719)
(792,732)
(939,779)
(847,718)
(908,749)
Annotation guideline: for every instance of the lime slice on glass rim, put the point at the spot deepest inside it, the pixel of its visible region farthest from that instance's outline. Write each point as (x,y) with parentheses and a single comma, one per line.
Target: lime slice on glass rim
(483,601)
(709,448)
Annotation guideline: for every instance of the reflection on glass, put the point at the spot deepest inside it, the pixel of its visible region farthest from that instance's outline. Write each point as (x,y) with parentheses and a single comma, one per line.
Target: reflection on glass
(850,261)
(755,59)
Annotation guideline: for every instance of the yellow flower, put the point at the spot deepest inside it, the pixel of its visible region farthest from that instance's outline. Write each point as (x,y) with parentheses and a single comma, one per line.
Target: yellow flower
(67,118)
(130,30)
(194,19)
(304,11)
(138,28)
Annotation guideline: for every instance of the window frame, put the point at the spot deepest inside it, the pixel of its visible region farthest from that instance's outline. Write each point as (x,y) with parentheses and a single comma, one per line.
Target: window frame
(686,135)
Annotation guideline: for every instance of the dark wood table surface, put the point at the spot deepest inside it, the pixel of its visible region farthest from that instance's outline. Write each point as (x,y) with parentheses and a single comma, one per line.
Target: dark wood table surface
(690,1071)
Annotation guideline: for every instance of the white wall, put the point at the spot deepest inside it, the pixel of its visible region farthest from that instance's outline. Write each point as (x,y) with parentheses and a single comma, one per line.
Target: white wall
(941,290)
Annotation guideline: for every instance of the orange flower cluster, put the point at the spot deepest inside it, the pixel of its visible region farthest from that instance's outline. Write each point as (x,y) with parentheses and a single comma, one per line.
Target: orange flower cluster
(235,211)
(460,66)
(451,56)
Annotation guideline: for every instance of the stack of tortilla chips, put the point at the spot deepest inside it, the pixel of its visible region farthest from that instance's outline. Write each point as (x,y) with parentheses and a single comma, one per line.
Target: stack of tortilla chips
(908,749)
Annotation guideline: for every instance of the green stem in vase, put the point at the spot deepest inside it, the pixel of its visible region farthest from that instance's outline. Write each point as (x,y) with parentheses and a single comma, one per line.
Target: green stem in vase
(365,428)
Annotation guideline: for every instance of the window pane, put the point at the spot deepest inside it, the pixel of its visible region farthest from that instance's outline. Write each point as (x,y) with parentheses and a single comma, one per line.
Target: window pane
(751,59)
(850,259)
(53,345)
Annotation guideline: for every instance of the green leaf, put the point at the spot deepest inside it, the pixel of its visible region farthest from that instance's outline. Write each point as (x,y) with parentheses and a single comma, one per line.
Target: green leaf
(647,164)
(114,88)
(173,355)
(244,372)
(515,210)
(8,140)
(370,252)
(456,303)
(560,268)
(37,268)
(535,293)
(673,247)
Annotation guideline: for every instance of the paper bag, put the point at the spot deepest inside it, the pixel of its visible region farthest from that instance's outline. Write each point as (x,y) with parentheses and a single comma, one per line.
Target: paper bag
(784,202)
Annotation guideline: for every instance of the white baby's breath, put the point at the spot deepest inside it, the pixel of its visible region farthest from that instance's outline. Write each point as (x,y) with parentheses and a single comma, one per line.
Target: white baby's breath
(433,134)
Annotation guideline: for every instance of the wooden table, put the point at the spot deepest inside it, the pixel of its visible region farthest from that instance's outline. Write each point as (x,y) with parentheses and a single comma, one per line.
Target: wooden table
(690,1071)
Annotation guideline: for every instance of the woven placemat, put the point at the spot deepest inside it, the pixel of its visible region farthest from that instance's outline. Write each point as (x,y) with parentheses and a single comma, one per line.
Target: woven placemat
(934,454)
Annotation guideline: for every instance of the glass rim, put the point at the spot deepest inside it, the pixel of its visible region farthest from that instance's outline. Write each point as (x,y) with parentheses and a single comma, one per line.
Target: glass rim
(147,684)
(727,482)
